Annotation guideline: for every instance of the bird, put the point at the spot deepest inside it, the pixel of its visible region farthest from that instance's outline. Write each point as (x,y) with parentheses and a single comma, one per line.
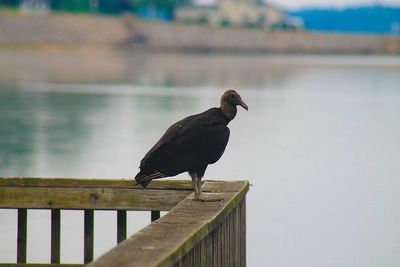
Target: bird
(191,144)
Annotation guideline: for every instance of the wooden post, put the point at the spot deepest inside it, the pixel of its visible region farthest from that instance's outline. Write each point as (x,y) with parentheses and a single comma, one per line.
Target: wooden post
(55,235)
(21,238)
(88,232)
(121,225)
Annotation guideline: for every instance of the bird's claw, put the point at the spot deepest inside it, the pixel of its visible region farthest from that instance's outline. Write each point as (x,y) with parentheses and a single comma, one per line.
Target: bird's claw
(204,198)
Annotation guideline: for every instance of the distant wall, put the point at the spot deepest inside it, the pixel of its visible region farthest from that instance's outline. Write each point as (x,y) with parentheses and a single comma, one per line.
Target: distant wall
(62,29)
(74,30)
(192,37)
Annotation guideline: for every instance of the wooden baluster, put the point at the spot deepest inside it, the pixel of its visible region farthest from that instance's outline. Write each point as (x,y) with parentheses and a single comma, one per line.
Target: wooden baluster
(121,225)
(55,235)
(155,215)
(21,238)
(88,232)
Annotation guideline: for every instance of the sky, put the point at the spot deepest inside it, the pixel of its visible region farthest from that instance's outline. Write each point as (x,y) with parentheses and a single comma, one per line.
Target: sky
(294,4)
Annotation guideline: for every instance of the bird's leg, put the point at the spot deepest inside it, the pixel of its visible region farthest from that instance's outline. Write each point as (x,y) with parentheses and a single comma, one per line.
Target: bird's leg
(198,181)
(195,185)
(202,197)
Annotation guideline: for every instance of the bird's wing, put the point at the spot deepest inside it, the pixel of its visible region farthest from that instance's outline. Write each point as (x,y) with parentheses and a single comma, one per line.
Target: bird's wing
(183,133)
(188,149)
(172,132)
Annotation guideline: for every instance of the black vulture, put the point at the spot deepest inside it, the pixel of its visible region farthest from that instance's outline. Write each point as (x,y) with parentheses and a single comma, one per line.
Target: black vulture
(189,145)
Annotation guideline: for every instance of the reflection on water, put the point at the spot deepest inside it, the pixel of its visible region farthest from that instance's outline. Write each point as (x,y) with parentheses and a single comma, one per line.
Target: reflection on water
(45,133)
(320,144)
(34,126)
(173,69)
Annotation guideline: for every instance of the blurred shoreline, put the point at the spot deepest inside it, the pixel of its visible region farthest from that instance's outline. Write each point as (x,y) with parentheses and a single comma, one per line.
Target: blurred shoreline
(111,66)
(60,32)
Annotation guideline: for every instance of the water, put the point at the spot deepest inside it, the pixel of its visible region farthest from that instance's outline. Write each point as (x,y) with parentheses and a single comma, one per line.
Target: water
(320,144)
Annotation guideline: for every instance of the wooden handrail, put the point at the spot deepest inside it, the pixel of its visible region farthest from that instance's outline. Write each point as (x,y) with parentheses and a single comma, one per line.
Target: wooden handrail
(190,227)
(91,182)
(209,233)
(41,193)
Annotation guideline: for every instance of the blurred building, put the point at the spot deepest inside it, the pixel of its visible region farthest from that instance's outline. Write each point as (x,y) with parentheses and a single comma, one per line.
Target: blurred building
(35,6)
(248,13)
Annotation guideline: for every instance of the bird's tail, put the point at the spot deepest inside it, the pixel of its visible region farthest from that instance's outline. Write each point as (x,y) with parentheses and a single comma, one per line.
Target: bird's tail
(145,178)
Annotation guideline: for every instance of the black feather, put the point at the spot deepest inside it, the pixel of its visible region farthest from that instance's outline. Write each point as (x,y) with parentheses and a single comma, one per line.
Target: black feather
(188,145)
(191,144)
(145,178)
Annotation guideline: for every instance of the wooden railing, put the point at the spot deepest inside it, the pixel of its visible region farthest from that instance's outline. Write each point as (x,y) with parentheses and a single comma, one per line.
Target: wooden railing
(192,233)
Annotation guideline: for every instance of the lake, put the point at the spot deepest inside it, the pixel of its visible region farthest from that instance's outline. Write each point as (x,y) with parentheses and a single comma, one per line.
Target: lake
(320,144)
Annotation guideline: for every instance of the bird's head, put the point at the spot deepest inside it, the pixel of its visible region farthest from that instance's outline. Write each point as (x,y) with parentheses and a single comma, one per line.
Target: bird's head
(233,98)
(229,100)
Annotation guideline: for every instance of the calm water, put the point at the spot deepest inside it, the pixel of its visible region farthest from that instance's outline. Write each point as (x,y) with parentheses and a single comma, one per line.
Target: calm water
(320,145)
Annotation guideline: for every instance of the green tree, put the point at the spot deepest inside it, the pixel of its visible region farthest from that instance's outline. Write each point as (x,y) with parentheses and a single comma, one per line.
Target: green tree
(167,5)
(9,3)
(70,5)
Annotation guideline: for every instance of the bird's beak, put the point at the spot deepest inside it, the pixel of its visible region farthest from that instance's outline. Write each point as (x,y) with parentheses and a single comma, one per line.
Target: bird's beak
(241,103)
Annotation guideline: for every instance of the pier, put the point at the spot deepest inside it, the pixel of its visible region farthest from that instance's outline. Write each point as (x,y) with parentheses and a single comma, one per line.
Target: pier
(192,233)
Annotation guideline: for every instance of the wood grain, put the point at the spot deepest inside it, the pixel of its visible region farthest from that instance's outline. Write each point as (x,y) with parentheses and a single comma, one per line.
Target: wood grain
(167,240)
(90,198)
(192,234)
(92,183)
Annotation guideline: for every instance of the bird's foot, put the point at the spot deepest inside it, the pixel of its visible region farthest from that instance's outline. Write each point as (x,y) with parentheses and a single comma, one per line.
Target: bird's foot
(208,198)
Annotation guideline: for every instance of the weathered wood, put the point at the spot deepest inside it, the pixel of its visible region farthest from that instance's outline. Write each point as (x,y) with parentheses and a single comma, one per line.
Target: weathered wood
(221,186)
(191,234)
(168,239)
(55,235)
(88,236)
(21,236)
(155,215)
(90,198)
(92,183)
(121,225)
(221,247)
